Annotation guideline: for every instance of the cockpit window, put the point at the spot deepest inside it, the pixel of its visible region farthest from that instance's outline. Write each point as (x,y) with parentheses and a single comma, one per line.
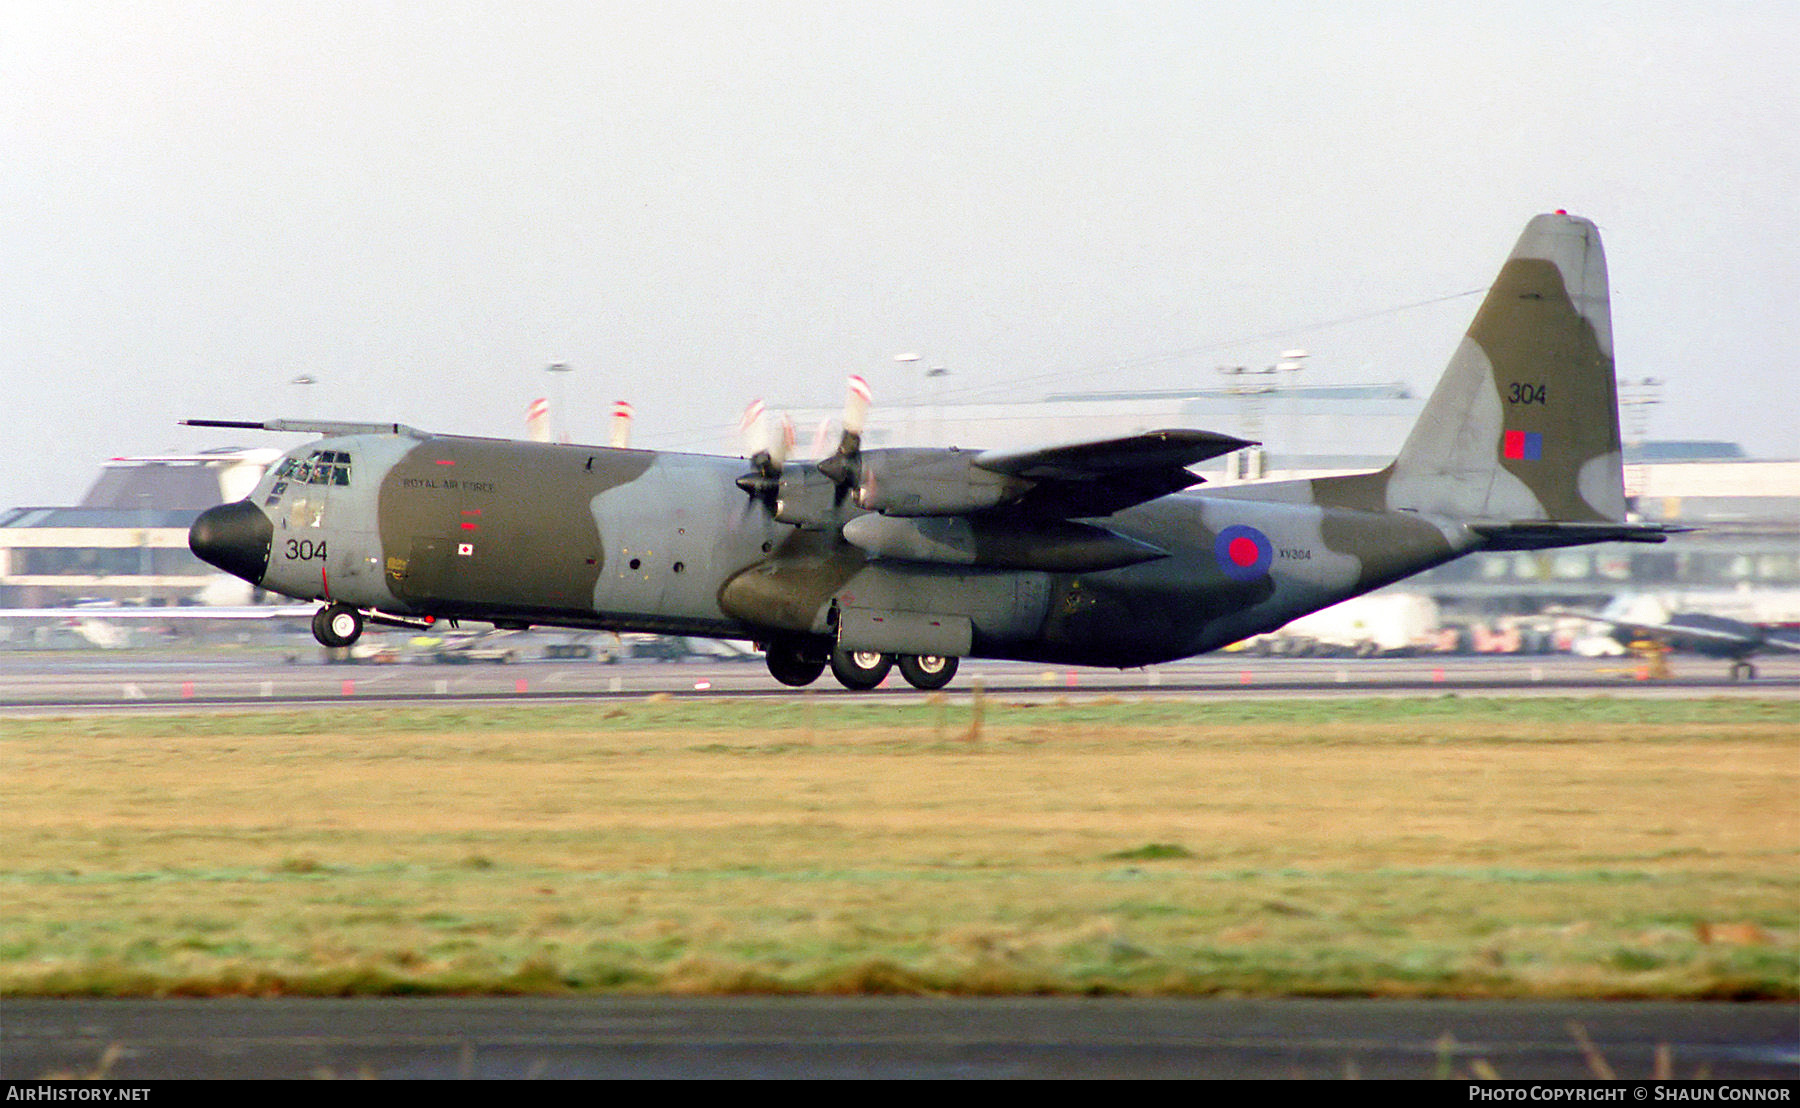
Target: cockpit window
(325,467)
(331,467)
(321,467)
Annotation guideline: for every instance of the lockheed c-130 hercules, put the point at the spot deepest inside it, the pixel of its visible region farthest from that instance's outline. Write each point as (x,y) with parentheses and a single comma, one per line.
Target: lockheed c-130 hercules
(1093,553)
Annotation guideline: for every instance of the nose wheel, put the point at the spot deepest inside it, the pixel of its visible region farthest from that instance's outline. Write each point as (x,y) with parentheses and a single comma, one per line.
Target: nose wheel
(337,625)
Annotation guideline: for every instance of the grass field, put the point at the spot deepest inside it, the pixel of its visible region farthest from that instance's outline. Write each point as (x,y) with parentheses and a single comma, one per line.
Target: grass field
(1431,847)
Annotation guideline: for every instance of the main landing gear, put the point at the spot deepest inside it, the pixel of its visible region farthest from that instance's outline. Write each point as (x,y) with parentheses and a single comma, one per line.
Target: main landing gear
(927,671)
(795,664)
(337,625)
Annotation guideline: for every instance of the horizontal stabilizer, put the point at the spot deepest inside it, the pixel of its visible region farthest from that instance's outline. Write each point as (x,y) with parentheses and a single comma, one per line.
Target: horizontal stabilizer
(1536,534)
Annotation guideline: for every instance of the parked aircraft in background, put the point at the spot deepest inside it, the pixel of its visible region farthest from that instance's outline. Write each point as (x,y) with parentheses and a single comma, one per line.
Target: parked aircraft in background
(1646,620)
(105,625)
(1090,553)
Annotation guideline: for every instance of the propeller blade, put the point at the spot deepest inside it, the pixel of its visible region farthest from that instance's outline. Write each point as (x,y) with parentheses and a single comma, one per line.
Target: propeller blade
(821,443)
(537,420)
(783,444)
(766,449)
(621,424)
(856,407)
(751,431)
(856,403)
(841,467)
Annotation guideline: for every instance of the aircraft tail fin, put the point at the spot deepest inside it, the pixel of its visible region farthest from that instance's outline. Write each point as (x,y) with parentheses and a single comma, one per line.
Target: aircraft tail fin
(1524,425)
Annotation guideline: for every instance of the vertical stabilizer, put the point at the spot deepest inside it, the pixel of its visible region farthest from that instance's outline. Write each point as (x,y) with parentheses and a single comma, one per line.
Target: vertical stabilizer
(1524,425)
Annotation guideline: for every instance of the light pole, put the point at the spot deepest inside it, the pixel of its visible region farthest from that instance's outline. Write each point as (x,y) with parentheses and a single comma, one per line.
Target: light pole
(1251,463)
(934,377)
(1636,398)
(302,384)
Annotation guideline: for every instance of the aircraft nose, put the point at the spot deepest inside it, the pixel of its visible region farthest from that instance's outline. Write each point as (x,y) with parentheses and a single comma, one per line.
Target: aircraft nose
(235,537)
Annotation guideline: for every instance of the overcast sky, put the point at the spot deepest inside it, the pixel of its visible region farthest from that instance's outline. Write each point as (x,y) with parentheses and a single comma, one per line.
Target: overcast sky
(423,205)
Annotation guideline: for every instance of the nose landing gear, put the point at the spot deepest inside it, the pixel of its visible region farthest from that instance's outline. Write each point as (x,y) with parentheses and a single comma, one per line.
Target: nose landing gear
(337,625)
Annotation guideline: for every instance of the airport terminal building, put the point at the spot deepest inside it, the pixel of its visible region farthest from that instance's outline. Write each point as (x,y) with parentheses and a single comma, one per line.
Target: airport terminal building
(127,541)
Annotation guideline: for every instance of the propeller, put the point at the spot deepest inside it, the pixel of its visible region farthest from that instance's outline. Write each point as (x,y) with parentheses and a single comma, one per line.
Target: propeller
(767,448)
(842,467)
(621,424)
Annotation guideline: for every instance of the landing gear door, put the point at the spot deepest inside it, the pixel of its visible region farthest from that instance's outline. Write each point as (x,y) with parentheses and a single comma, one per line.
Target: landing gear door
(426,574)
(891,632)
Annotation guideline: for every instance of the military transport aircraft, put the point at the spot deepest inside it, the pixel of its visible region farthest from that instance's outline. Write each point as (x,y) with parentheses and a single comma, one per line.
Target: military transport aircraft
(1088,554)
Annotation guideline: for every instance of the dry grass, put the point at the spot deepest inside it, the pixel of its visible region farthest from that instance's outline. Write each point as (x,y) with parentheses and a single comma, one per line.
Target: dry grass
(1446,848)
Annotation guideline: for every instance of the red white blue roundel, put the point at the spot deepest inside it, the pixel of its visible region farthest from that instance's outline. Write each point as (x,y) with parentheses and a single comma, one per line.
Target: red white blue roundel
(1244,553)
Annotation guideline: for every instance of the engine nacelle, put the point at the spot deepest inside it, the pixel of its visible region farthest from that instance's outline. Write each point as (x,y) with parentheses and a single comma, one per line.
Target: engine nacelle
(1050,546)
(914,482)
(808,499)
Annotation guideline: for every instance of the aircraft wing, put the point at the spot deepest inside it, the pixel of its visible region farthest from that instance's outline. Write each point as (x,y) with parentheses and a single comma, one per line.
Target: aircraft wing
(1099,458)
(1701,633)
(1101,476)
(1783,640)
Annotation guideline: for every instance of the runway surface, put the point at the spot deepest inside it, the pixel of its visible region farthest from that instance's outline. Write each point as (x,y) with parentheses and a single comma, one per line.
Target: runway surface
(895,1038)
(101,680)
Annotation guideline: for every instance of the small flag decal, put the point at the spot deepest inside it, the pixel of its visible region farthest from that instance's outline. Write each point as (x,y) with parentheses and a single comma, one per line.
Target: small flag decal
(465,548)
(1523,446)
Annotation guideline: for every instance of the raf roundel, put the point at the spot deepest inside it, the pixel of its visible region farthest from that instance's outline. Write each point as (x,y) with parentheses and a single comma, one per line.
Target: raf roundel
(1243,553)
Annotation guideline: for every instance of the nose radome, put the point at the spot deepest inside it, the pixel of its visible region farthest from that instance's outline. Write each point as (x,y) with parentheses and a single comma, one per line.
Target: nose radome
(235,537)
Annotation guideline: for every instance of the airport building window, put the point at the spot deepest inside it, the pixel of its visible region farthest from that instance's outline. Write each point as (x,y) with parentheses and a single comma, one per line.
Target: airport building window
(1612,565)
(106,561)
(1769,560)
(1570,565)
(1784,568)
